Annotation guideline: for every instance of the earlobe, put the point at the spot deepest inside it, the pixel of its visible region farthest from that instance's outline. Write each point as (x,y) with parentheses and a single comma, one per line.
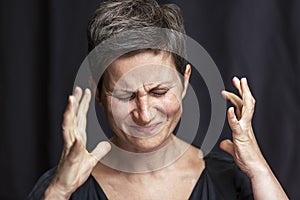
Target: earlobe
(187,75)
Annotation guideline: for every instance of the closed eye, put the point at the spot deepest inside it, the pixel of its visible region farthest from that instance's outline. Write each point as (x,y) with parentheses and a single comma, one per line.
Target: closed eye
(159,92)
(126,98)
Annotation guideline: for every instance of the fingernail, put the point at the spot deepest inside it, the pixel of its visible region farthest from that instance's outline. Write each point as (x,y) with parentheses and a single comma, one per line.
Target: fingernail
(87,91)
(106,146)
(223,93)
(71,99)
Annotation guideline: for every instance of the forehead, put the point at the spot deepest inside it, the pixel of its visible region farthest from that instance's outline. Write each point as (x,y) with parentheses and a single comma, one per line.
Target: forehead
(143,58)
(142,68)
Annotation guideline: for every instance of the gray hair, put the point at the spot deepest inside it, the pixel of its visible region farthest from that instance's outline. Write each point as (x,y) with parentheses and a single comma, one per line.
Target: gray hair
(113,17)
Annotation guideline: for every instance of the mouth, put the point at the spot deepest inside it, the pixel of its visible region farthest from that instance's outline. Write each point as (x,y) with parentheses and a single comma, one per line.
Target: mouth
(147,130)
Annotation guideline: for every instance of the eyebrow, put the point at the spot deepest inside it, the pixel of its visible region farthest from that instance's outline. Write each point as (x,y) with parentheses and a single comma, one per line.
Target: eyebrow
(161,85)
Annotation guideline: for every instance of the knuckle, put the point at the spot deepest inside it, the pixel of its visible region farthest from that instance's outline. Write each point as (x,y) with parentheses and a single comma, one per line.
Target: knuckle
(235,125)
(63,127)
(253,101)
(66,114)
(251,108)
(94,159)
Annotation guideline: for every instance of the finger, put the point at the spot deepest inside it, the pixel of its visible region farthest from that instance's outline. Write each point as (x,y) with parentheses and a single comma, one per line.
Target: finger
(77,94)
(233,122)
(237,131)
(248,100)
(82,111)
(84,105)
(68,123)
(235,100)
(227,146)
(75,150)
(100,151)
(237,84)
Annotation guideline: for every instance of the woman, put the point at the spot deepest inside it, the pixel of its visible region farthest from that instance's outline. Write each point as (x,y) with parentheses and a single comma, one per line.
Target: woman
(141,93)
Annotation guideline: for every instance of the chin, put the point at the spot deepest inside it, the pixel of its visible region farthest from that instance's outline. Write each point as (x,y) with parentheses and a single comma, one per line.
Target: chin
(149,144)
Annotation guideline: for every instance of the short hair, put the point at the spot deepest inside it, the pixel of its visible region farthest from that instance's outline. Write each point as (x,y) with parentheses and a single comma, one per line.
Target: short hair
(113,17)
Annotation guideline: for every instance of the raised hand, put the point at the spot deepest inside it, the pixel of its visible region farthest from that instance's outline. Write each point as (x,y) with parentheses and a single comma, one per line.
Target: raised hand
(244,148)
(76,163)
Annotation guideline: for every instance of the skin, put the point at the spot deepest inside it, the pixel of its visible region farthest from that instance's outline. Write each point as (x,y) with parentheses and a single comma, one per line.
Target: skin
(244,148)
(147,95)
(77,164)
(153,96)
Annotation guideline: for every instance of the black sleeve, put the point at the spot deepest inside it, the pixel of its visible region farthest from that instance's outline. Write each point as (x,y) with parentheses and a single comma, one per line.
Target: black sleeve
(228,178)
(39,188)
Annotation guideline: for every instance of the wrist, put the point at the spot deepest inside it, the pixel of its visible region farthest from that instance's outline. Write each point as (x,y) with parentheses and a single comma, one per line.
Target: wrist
(265,180)
(259,172)
(53,192)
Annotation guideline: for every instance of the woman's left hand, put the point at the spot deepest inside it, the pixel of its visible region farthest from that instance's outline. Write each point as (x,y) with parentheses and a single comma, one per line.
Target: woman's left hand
(243,147)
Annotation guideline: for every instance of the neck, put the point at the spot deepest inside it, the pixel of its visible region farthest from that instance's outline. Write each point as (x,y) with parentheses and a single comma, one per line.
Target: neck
(134,162)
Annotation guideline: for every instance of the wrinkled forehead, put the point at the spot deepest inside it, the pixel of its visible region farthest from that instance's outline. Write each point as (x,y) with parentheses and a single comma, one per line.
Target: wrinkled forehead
(148,76)
(146,68)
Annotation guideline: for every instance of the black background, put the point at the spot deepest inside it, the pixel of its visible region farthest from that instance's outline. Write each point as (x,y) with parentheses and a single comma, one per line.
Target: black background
(44,42)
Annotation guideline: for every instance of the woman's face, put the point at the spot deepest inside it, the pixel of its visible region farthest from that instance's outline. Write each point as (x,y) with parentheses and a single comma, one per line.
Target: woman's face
(141,96)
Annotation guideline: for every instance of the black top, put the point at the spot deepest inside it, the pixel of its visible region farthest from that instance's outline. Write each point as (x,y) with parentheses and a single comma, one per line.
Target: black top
(220,179)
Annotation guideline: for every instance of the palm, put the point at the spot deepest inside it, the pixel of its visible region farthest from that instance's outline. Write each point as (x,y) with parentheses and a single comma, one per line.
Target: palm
(243,146)
(76,162)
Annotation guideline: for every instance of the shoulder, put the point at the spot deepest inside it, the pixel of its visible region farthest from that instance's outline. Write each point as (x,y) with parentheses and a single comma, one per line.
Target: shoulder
(219,161)
(227,176)
(89,189)
(223,169)
(41,185)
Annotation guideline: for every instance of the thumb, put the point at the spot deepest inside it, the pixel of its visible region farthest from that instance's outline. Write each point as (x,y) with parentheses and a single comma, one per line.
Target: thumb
(101,150)
(227,146)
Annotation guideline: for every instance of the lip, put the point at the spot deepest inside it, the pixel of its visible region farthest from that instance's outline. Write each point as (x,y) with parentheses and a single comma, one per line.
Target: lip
(148,129)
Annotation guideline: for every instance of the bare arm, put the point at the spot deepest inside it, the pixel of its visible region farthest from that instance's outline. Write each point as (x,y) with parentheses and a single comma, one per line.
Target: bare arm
(244,147)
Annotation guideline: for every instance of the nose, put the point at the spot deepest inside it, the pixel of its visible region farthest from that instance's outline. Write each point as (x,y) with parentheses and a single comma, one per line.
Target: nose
(142,114)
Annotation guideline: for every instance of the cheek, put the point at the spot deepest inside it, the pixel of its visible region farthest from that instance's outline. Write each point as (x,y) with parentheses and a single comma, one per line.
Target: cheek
(171,106)
(166,107)
(119,110)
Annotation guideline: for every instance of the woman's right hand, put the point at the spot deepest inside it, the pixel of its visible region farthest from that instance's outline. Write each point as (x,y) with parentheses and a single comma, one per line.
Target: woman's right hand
(76,163)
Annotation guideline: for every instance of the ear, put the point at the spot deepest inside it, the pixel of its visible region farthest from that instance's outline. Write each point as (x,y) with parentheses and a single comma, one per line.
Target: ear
(187,75)
(95,91)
